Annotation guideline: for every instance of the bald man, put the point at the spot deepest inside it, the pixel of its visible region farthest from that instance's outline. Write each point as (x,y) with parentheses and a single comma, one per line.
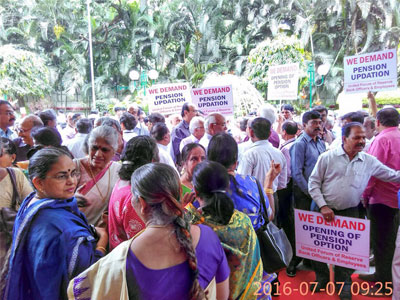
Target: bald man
(24,142)
(215,123)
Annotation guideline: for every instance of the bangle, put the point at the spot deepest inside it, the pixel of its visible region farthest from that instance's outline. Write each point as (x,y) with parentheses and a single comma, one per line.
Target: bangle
(102,249)
(269,191)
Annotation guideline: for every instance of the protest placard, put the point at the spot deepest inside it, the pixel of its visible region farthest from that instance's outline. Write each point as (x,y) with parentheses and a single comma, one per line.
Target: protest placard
(168,98)
(214,99)
(283,81)
(343,242)
(375,71)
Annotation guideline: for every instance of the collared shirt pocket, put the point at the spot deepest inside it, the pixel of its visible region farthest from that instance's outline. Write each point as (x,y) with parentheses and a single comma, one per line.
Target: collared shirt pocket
(356,179)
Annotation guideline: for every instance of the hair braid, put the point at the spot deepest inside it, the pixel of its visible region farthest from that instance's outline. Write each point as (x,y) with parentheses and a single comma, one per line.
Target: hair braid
(166,209)
(182,231)
(183,236)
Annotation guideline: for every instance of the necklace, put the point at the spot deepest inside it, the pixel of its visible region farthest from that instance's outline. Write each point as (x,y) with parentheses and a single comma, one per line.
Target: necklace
(157,226)
(95,182)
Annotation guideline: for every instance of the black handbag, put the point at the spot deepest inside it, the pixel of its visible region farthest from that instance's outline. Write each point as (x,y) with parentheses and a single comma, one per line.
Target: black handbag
(8,214)
(275,248)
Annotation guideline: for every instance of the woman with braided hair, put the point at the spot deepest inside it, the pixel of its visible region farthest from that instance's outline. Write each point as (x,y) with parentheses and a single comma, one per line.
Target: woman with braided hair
(169,259)
(123,221)
(234,229)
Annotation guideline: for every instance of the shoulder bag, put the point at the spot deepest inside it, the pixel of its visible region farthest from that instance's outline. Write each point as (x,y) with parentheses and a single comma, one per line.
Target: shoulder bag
(8,214)
(275,248)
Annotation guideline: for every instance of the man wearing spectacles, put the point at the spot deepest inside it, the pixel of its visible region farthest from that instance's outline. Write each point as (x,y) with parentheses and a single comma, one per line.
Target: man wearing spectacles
(25,141)
(181,130)
(7,119)
(215,123)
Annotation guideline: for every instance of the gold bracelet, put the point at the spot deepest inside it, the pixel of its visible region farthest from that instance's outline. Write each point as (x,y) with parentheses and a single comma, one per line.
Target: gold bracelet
(269,191)
(102,249)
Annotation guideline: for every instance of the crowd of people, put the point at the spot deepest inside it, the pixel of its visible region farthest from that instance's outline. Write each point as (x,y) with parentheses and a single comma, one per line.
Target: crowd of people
(131,206)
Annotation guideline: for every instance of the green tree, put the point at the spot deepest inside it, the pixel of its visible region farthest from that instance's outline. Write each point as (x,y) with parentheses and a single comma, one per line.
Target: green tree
(22,73)
(278,51)
(186,39)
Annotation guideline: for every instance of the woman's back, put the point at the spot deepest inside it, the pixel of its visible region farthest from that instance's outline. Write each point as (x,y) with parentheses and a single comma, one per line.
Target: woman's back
(174,281)
(240,244)
(123,221)
(244,192)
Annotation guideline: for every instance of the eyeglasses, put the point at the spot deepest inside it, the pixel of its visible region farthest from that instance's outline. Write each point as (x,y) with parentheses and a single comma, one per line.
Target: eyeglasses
(65,176)
(103,149)
(20,130)
(220,124)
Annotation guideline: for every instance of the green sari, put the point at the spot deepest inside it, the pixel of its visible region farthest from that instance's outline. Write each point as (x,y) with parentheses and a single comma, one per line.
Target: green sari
(185,190)
(240,244)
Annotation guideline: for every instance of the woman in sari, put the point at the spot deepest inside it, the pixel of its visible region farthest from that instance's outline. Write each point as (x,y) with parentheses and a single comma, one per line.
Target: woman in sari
(192,154)
(170,259)
(52,240)
(243,189)
(13,186)
(123,221)
(234,229)
(9,153)
(99,173)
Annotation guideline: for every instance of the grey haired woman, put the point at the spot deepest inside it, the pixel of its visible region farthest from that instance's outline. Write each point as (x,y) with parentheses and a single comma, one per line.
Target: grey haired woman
(99,173)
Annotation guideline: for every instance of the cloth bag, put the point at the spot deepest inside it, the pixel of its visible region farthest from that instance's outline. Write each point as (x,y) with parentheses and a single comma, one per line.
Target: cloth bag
(8,214)
(275,248)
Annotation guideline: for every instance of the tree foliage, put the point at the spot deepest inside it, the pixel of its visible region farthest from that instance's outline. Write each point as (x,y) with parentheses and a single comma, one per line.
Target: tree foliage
(186,39)
(22,73)
(278,51)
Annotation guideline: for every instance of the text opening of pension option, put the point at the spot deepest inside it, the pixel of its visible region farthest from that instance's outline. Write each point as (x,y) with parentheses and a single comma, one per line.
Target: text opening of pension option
(370,72)
(283,82)
(343,242)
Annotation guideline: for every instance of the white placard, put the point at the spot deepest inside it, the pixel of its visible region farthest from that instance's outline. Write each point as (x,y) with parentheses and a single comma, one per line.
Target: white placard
(343,242)
(370,72)
(168,98)
(283,81)
(214,99)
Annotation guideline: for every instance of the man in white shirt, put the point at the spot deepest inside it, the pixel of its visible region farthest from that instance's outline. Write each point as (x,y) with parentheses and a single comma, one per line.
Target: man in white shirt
(118,110)
(128,123)
(69,131)
(153,119)
(370,131)
(243,147)
(336,185)
(284,217)
(7,119)
(347,118)
(215,123)
(196,128)
(161,134)
(256,161)
(140,128)
(76,145)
